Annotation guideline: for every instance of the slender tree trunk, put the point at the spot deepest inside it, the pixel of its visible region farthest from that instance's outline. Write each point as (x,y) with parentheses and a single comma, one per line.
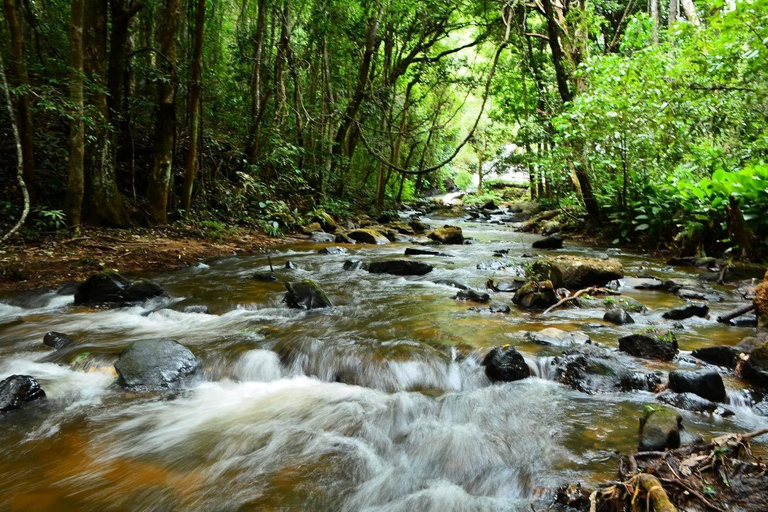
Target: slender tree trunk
(158,187)
(17,68)
(656,19)
(252,144)
(19,156)
(371,46)
(561,74)
(674,10)
(76,142)
(690,11)
(103,202)
(195,88)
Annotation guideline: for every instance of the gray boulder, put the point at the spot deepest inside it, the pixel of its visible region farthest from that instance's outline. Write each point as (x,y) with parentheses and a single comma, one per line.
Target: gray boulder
(156,365)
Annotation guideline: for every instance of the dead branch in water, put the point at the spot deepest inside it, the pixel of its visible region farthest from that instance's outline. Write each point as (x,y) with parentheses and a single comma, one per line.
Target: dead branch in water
(591,290)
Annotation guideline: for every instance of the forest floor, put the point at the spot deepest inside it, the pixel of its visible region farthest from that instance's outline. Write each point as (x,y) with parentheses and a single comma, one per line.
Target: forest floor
(48,262)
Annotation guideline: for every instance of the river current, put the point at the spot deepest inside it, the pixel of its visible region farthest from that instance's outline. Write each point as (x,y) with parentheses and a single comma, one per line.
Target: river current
(376,404)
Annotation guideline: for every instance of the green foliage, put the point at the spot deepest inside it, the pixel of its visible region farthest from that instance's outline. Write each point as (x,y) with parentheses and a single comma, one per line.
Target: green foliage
(45,219)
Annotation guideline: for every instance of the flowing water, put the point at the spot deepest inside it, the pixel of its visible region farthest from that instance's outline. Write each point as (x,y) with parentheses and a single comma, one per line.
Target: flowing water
(376,404)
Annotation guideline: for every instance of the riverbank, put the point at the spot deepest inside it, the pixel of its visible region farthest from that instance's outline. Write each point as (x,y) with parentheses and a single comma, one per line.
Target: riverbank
(46,263)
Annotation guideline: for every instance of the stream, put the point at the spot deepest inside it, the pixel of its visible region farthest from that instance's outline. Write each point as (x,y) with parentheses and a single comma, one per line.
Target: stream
(376,404)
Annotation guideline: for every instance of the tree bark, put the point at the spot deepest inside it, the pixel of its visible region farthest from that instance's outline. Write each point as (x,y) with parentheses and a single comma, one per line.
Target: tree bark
(252,144)
(690,11)
(17,68)
(76,141)
(165,127)
(195,87)
(103,202)
(656,19)
(561,74)
(674,10)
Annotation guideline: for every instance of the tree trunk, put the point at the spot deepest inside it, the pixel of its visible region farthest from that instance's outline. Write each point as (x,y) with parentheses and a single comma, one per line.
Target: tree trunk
(195,87)
(690,11)
(76,141)
(252,144)
(165,128)
(17,68)
(103,202)
(561,73)
(674,9)
(371,47)
(656,19)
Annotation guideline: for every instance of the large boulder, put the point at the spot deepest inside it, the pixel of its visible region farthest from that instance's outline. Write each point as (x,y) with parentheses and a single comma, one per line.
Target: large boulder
(157,364)
(17,390)
(447,235)
(550,242)
(110,288)
(719,355)
(761,303)
(755,370)
(322,237)
(650,344)
(687,401)
(705,383)
(306,294)
(574,272)
(333,251)
(592,369)
(558,338)
(368,236)
(618,316)
(418,226)
(535,295)
(400,267)
(687,311)
(56,340)
(505,364)
(326,222)
(313,227)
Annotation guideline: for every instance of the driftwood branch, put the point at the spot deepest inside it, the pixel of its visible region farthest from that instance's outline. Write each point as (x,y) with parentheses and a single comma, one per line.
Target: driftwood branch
(741,310)
(591,289)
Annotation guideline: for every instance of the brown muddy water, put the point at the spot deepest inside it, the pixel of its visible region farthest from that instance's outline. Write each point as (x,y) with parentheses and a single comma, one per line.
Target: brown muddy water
(377,404)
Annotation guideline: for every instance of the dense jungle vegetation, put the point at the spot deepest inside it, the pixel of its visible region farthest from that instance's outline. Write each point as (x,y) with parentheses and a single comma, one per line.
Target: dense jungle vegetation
(648,121)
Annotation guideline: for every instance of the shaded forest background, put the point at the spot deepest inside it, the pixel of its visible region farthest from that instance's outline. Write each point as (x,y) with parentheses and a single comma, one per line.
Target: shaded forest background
(647,121)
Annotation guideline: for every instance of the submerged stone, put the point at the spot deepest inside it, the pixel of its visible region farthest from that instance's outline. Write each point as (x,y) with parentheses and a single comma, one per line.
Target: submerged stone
(56,340)
(687,311)
(110,288)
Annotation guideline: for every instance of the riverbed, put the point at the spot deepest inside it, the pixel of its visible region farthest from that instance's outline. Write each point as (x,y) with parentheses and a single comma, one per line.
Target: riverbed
(378,403)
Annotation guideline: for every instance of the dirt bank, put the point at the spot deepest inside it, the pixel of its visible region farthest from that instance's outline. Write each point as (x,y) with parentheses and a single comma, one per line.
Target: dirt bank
(46,263)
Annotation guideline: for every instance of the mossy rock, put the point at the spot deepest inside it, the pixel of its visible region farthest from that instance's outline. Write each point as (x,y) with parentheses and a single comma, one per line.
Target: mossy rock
(450,235)
(368,236)
(650,344)
(659,428)
(575,273)
(306,294)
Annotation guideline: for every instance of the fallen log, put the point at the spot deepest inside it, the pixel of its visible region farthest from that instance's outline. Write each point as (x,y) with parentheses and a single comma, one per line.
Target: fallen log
(734,313)
(656,494)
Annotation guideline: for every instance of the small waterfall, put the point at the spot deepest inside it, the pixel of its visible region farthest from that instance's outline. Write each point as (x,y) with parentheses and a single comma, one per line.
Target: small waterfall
(542,367)
(738,398)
